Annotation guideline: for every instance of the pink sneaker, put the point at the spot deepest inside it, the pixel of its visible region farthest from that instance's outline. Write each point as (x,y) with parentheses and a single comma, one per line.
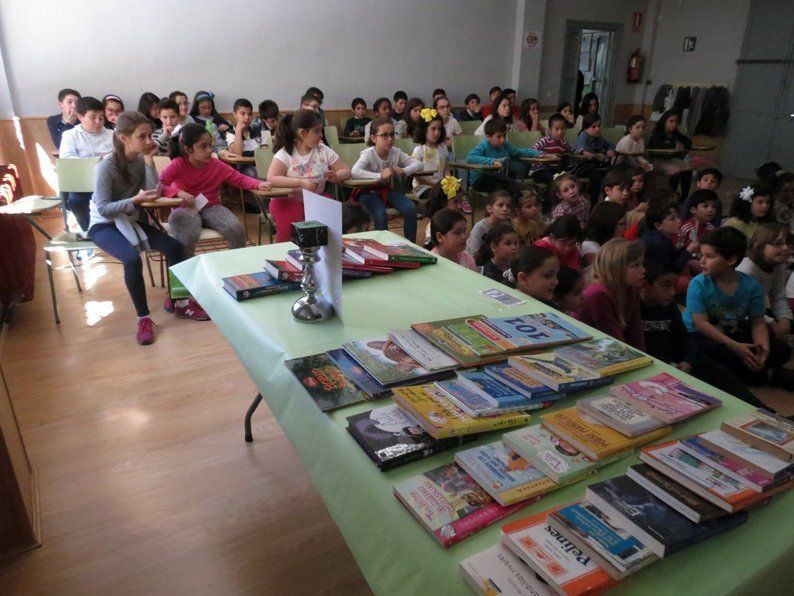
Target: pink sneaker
(191,310)
(168,304)
(465,206)
(145,335)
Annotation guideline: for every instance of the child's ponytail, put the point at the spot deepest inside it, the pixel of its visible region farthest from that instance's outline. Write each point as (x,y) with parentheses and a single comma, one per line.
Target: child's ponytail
(290,124)
(189,135)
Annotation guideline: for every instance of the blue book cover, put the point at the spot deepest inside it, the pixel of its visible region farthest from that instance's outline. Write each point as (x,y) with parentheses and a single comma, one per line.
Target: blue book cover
(471,402)
(536,331)
(356,373)
(662,527)
(521,382)
(505,397)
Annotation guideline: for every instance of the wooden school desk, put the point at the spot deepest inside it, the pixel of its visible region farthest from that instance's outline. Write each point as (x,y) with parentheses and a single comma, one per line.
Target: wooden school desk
(395,553)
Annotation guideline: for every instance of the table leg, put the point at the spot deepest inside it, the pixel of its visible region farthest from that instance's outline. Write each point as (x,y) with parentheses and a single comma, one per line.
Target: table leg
(249,438)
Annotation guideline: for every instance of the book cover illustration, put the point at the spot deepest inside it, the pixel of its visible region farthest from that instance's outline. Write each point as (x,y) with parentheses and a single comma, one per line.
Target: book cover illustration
(665,397)
(469,400)
(504,474)
(619,414)
(765,431)
(385,360)
(253,285)
(506,399)
(496,570)
(463,331)
(421,350)
(521,382)
(450,504)
(557,372)
(537,331)
(606,356)
(325,382)
(356,373)
(733,447)
(558,459)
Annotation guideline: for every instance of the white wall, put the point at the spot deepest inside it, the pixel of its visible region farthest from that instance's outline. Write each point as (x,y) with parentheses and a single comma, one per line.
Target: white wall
(258,50)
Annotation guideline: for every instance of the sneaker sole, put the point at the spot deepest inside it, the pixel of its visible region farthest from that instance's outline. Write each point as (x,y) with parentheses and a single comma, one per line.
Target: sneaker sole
(145,343)
(186,316)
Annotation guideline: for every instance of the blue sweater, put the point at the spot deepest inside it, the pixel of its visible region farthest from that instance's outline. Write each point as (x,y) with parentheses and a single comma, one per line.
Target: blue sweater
(485,153)
(593,144)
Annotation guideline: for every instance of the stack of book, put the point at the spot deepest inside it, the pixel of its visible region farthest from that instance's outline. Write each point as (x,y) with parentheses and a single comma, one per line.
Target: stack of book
(686,491)
(253,285)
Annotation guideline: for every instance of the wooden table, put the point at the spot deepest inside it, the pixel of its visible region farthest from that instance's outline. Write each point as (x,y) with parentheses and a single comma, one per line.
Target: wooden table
(27,207)
(547,159)
(666,152)
(162,202)
(236,160)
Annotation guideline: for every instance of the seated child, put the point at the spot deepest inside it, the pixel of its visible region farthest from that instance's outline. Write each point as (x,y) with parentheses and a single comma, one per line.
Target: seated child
(534,272)
(783,199)
(444,195)
(566,189)
(767,261)
(702,206)
(725,312)
(502,109)
(611,302)
(495,150)
(90,138)
(565,109)
(451,124)
(607,221)
(184,106)
(382,109)
(527,222)
(355,126)
(661,229)
(301,161)
(664,195)
(382,161)
(472,110)
(667,136)
(553,144)
(569,293)
(602,151)
(400,98)
(706,179)
(633,144)
(495,92)
(113,108)
(751,206)
(637,203)
(193,170)
(67,118)
(497,250)
(562,238)
(354,218)
(529,115)
(617,185)
(268,122)
(169,116)
(430,150)
(413,115)
(448,237)
(205,114)
(497,210)
(244,139)
(147,105)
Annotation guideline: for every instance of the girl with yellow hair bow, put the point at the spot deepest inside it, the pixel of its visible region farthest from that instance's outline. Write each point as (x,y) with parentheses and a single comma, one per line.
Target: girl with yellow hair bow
(429,136)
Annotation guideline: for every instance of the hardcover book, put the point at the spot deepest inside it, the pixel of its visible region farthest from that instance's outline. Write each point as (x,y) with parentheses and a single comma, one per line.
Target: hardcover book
(566,568)
(386,361)
(391,437)
(253,285)
(655,523)
(441,418)
(421,350)
(504,474)
(604,537)
(680,498)
(356,373)
(348,264)
(556,372)
(325,382)
(594,440)
(605,357)
(521,382)
(400,251)
(765,431)
(356,251)
(619,414)
(665,397)
(537,331)
(505,398)
(496,570)
(762,462)
(283,270)
(450,504)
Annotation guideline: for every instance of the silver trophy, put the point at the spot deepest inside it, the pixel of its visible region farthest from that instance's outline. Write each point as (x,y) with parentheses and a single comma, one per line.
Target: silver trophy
(310,236)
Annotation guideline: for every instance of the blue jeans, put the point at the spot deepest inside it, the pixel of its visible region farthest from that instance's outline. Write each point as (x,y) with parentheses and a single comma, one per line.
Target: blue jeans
(373,203)
(79,203)
(109,239)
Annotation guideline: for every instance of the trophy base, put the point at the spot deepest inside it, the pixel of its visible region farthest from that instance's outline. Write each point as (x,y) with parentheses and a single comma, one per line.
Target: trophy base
(305,311)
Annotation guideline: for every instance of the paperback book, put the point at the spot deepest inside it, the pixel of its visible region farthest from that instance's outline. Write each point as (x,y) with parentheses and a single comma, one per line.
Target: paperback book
(460,339)
(421,350)
(660,527)
(765,431)
(391,437)
(604,537)
(475,402)
(605,357)
(450,504)
(254,285)
(504,474)
(556,372)
(536,331)
(496,570)
(565,567)
(506,398)
(325,383)
(766,464)
(619,414)
(665,397)
(442,419)
(356,373)
(594,440)
(521,382)
(386,361)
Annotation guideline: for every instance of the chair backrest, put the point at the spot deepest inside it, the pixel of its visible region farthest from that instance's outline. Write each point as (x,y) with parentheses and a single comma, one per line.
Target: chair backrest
(75,174)
(405,145)
(613,134)
(263,157)
(463,144)
(331,135)
(349,152)
(523,139)
(161,162)
(468,127)
(570,136)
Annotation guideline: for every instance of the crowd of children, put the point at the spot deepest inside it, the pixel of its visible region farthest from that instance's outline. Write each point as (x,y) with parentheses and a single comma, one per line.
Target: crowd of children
(593,229)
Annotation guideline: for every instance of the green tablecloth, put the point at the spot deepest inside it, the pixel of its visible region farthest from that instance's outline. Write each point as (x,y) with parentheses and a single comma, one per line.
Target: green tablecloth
(395,554)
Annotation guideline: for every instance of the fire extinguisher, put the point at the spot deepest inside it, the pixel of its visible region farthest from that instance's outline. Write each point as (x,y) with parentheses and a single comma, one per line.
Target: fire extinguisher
(635,67)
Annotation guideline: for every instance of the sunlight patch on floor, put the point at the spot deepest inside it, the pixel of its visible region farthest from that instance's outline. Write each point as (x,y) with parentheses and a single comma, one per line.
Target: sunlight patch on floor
(96,311)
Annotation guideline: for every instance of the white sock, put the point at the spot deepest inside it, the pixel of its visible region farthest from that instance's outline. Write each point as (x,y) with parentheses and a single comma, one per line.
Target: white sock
(181,303)
(144,317)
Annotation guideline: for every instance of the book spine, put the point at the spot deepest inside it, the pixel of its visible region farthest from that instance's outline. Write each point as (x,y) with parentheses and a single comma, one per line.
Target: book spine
(585,384)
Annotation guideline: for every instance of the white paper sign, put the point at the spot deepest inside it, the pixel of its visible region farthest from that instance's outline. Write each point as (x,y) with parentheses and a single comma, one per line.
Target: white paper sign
(201,202)
(329,269)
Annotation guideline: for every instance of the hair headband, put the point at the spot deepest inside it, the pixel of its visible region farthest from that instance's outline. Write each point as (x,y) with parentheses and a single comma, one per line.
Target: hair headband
(112,98)
(205,95)
(747,193)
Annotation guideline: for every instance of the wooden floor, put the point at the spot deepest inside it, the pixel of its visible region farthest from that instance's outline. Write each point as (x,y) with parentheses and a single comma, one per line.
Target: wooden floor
(146,484)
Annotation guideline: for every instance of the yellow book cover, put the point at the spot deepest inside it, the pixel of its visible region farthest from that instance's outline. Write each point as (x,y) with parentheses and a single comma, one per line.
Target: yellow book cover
(591,438)
(441,418)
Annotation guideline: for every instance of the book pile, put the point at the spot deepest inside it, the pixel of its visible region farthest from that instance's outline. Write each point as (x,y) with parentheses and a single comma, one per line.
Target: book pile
(685,492)
(253,285)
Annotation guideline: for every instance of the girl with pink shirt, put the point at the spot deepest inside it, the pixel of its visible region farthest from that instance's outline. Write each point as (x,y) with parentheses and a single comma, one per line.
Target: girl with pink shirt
(448,234)
(195,171)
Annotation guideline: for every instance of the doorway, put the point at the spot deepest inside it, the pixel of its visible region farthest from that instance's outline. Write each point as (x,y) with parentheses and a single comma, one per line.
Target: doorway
(761,125)
(589,64)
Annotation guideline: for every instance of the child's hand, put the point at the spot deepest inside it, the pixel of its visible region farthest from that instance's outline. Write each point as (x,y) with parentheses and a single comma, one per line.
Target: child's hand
(309,184)
(265,185)
(185,196)
(355,133)
(747,354)
(386,174)
(693,247)
(588,155)
(223,128)
(683,366)
(610,154)
(399,171)
(145,196)
(332,176)
(238,127)
(188,201)
(496,163)
(647,167)
(151,150)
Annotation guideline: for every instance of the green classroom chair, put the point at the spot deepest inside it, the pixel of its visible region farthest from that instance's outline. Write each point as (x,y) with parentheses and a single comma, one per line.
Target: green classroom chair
(613,133)
(263,156)
(570,136)
(331,135)
(523,139)
(405,145)
(462,146)
(470,126)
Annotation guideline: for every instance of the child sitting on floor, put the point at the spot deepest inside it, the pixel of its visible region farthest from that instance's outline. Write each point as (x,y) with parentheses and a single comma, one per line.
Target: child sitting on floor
(661,230)
(562,238)
(566,189)
(751,206)
(497,209)
(355,218)
(703,205)
(448,237)
(496,253)
(534,272)
(528,223)
(706,179)
(569,293)
(607,221)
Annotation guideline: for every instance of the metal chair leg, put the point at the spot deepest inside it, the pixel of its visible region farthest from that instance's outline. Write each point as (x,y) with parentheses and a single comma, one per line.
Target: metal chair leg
(74,271)
(249,438)
(149,267)
(52,289)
